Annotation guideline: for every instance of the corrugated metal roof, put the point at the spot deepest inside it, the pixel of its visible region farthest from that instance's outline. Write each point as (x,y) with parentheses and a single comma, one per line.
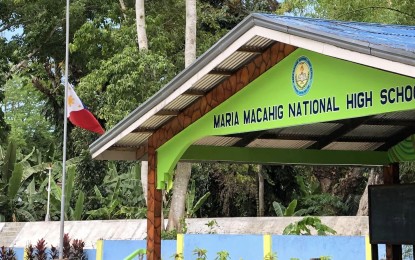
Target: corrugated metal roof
(310,129)
(180,102)
(391,36)
(258,42)
(375,131)
(404,115)
(154,122)
(134,139)
(270,143)
(217,141)
(208,81)
(352,146)
(235,61)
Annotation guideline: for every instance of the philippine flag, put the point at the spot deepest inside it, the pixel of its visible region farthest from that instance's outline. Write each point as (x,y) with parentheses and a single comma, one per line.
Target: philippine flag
(79,115)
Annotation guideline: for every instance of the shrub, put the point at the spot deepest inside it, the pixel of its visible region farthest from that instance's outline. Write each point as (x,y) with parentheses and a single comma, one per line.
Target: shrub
(7,253)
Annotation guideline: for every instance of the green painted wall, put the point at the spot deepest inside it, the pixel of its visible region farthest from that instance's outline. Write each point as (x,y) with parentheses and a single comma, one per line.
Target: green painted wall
(339,90)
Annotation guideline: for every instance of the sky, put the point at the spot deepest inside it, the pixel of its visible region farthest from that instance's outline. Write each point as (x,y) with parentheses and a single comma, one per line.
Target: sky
(8,34)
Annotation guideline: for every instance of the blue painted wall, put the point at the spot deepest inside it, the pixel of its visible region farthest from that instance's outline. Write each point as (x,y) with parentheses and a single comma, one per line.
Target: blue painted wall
(119,249)
(19,252)
(306,247)
(247,247)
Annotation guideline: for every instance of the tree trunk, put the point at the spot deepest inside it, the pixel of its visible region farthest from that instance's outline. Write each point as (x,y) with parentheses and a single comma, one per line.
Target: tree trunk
(260,192)
(177,206)
(190,45)
(123,9)
(141,25)
(374,178)
(144,177)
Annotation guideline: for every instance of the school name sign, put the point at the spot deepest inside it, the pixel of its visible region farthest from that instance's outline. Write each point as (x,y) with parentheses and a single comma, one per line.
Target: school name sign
(316,88)
(314,107)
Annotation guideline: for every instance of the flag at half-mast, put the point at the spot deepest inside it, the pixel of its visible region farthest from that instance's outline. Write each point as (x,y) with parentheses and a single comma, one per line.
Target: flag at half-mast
(79,115)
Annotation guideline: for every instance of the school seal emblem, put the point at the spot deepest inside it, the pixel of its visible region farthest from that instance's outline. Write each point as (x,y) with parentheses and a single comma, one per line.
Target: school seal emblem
(302,76)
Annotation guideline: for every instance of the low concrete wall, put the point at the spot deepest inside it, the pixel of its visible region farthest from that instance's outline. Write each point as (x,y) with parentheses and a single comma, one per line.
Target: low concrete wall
(344,225)
(91,231)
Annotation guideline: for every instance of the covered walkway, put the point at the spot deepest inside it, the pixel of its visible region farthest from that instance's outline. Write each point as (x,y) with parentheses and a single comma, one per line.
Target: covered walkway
(283,90)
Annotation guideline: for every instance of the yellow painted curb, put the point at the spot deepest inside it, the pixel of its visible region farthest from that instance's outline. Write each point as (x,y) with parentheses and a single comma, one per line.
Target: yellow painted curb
(100,249)
(267,245)
(368,248)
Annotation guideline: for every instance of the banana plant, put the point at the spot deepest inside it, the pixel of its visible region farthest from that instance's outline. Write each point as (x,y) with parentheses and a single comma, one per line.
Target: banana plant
(190,197)
(56,197)
(289,211)
(10,181)
(124,198)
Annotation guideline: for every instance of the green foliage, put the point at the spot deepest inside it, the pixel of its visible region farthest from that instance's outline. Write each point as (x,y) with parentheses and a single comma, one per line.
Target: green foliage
(201,254)
(303,226)
(233,190)
(29,128)
(271,256)
(11,180)
(323,204)
(212,224)
(282,211)
(122,196)
(325,257)
(222,255)
(140,253)
(190,197)
(172,234)
(90,173)
(393,12)
(178,256)
(5,53)
(56,196)
(131,74)
(169,234)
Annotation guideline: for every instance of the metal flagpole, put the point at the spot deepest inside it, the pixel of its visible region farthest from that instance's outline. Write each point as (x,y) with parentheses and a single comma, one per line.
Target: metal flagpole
(65,126)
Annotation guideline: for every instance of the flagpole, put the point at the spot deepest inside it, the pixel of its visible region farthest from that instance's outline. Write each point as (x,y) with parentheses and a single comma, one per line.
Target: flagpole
(65,127)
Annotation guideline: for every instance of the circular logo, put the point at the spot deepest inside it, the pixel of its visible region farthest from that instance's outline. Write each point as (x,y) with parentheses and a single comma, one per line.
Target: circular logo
(302,76)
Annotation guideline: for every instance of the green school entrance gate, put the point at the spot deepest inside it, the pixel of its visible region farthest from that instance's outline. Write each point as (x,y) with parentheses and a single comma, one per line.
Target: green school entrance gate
(278,90)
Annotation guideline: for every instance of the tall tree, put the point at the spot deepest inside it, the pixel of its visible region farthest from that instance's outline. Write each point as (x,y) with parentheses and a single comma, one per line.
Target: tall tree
(183,170)
(4,67)
(23,110)
(141,25)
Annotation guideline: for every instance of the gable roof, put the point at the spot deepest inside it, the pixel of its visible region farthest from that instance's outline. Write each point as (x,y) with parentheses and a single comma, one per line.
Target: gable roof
(387,47)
